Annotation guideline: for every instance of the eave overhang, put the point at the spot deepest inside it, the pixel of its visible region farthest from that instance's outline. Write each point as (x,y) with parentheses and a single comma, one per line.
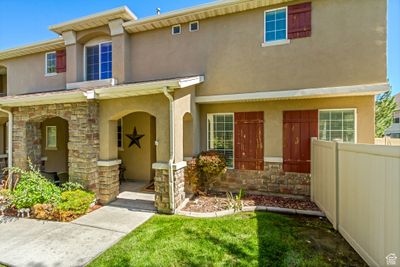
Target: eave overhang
(94,20)
(119,91)
(353,90)
(43,46)
(200,12)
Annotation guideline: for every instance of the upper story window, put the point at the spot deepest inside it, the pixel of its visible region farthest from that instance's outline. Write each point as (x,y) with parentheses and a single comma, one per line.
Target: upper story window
(275,25)
(194,26)
(176,29)
(99,61)
(51,63)
(287,23)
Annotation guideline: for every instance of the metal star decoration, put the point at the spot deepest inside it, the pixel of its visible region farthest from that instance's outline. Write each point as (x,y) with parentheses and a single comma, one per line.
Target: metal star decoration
(135,138)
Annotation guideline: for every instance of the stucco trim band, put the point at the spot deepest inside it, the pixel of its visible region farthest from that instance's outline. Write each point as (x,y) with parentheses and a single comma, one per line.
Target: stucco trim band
(108,163)
(353,90)
(119,91)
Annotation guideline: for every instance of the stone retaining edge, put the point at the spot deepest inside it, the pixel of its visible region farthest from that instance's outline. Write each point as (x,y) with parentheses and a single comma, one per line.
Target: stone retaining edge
(249,209)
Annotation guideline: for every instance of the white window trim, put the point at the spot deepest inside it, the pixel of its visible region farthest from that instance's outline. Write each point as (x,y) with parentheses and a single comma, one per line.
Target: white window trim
(193,22)
(180,29)
(233,130)
(47,74)
(84,59)
(344,109)
(121,148)
(277,42)
(47,138)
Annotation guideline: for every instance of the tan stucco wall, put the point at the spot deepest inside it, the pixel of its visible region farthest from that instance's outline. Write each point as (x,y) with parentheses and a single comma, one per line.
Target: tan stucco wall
(114,109)
(347,47)
(27,74)
(184,103)
(138,161)
(273,117)
(57,160)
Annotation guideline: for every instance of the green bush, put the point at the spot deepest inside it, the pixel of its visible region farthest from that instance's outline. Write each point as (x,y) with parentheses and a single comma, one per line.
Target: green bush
(33,188)
(77,201)
(210,164)
(71,186)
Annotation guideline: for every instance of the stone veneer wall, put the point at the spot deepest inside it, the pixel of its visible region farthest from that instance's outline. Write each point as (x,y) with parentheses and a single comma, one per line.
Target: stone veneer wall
(272,180)
(161,188)
(83,144)
(108,183)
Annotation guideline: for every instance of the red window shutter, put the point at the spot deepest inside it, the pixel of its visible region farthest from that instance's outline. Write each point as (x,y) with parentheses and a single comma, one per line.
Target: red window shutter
(61,61)
(298,128)
(299,20)
(249,140)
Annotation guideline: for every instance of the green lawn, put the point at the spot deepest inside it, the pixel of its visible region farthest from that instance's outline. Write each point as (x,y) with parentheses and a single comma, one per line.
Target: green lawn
(245,239)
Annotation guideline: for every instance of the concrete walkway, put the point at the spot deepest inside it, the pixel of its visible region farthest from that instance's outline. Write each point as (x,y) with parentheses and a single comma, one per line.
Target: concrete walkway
(27,242)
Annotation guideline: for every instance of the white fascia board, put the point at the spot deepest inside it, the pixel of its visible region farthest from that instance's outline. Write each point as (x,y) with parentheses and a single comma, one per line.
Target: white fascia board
(146,88)
(30,100)
(190,81)
(354,90)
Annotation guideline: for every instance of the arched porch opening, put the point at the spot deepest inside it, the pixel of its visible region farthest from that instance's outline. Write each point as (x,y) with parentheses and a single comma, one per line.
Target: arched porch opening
(136,141)
(47,140)
(187,136)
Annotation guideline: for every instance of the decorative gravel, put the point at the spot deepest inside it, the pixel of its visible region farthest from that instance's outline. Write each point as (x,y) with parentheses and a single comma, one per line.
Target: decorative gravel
(219,202)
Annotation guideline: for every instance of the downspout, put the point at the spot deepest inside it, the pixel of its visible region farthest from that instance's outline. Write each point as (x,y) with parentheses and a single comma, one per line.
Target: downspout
(171,148)
(10,149)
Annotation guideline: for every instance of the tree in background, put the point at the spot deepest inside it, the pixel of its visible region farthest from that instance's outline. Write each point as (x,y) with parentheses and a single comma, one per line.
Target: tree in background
(385,105)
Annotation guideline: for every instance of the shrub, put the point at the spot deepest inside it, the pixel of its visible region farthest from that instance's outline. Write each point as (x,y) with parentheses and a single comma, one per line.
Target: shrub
(33,188)
(77,201)
(71,186)
(45,212)
(210,164)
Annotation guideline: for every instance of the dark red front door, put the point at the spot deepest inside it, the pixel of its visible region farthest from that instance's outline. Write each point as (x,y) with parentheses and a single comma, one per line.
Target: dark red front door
(298,128)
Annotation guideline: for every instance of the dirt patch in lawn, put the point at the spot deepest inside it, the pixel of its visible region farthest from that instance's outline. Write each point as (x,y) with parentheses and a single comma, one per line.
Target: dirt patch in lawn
(218,202)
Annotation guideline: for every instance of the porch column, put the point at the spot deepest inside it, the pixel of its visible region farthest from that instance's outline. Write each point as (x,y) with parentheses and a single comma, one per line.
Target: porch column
(108,164)
(161,186)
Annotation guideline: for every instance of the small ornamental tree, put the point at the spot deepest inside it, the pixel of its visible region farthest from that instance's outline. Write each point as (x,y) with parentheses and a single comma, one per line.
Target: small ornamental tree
(384,107)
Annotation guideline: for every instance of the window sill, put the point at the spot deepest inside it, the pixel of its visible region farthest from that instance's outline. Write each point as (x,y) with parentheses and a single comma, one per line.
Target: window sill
(120,149)
(280,42)
(51,148)
(50,74)
(94,83)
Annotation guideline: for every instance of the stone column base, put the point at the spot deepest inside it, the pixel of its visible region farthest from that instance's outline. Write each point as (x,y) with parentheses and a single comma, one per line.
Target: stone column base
(108,180)
(161,186)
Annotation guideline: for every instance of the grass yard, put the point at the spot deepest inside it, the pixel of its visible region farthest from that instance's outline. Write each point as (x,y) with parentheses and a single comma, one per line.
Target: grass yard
(245,239)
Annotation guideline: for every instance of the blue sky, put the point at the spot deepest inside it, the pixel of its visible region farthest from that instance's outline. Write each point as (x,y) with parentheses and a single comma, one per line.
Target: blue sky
(37,15)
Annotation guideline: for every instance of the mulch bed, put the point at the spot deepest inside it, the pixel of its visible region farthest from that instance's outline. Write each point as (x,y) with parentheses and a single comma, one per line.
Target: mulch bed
(12,212)
(218,202)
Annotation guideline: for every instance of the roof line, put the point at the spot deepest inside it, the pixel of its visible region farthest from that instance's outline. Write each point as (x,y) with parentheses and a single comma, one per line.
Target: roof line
(92,16)
(32,48)
(181,11)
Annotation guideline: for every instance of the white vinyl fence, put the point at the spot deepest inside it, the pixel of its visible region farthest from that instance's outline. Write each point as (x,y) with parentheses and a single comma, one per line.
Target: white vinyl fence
(358,188)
